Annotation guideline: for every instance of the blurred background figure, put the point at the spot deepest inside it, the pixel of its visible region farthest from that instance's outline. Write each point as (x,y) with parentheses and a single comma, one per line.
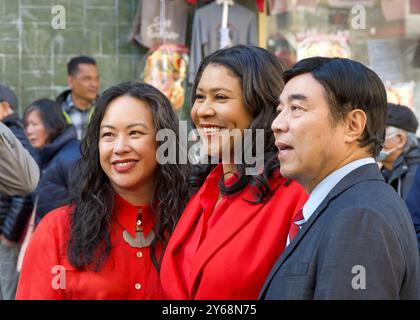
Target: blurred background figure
(19,173)
(401,153)
(413,203)
(14,210)
(58,149)
(78,101)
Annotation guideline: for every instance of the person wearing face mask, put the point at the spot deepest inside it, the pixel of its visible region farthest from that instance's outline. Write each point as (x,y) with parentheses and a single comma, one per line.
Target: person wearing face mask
(401,152)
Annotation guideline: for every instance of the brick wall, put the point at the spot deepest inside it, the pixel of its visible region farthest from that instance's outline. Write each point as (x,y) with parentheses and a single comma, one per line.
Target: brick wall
(33,55)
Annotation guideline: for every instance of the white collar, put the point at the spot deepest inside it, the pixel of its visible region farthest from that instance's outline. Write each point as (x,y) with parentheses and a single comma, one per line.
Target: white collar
(323,188)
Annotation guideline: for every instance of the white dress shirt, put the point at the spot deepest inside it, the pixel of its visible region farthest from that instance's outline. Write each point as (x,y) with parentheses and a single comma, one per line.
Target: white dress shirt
(323,188)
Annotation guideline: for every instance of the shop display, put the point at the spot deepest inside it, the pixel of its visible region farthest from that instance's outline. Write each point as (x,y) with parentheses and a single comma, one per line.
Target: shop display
(416,58)
(312,43)
(241,22)
(392,10)
(282,49)
(160,22)
(351,3)
(277,6)
(385,59)
(296,30)
(225,40)
(400,93)
(166,69)
(412,18)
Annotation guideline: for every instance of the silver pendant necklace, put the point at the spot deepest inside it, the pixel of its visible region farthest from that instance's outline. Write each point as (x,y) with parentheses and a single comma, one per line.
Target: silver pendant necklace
(139,241)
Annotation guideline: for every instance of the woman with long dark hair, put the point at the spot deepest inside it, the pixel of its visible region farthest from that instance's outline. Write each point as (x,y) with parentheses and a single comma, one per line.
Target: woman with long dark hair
(235,226)
(108,243)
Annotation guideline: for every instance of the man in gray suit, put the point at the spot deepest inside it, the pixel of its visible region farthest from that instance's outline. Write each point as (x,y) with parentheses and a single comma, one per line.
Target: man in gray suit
(354,238)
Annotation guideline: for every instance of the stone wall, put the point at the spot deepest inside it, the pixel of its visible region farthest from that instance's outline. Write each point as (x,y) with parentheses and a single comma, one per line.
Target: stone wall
(34,55)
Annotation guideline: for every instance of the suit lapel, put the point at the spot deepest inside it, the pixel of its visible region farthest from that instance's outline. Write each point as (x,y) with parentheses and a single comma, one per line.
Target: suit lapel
(194,208)
(291,247)
(363,173)
(185,224)
(226,228)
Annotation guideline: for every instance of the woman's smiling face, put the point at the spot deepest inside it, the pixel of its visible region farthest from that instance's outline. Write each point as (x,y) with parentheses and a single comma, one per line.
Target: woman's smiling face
(219,110)
(127,144)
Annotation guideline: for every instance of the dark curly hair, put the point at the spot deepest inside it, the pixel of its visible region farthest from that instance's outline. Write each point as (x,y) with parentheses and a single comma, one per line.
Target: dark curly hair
(93,196)
(260,75)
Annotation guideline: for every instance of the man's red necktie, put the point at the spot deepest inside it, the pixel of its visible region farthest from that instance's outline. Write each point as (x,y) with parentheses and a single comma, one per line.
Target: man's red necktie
(296,225)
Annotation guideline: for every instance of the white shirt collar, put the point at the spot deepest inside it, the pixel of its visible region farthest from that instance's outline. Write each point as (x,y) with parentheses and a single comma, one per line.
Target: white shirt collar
(322,189)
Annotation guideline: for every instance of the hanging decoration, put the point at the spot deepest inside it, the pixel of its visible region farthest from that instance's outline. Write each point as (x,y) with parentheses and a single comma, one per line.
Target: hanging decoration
(166,69)
(166,66)
(206,36)
(312,43)
(225,40)
(400,93)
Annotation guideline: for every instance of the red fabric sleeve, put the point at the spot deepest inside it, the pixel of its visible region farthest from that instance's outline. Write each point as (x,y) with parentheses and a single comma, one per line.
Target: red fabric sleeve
(38,277)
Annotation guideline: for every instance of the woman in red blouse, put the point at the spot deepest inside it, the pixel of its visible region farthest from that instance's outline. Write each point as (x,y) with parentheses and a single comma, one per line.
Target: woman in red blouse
(108,243)
(235,226)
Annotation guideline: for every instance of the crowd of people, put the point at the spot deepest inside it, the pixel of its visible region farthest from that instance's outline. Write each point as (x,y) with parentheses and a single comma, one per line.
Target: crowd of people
(87,210)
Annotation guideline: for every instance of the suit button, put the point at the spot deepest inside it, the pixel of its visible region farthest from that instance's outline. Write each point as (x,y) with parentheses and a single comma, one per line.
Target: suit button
(139,254)
(137,286)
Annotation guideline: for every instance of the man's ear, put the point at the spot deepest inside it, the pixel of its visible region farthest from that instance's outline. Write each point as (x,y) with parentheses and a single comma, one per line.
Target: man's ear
(355,124)
(70,81)
(402,140)
(5,109)
(2,109)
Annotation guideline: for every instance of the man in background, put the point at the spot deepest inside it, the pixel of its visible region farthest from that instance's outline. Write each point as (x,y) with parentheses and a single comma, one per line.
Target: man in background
(78,101)
(413,203)
(400,155)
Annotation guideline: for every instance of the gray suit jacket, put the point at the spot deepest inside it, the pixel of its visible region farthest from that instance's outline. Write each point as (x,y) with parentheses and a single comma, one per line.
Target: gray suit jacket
(360,243)
(19,173)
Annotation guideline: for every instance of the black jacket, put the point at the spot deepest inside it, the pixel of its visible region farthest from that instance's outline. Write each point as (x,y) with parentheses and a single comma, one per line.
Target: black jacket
(413,203)
(62,97)
(402,175)
(56,160)
(15,211)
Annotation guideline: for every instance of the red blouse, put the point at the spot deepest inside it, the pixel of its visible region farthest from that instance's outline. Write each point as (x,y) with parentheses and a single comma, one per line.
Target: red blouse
(226,251)
(127,273)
